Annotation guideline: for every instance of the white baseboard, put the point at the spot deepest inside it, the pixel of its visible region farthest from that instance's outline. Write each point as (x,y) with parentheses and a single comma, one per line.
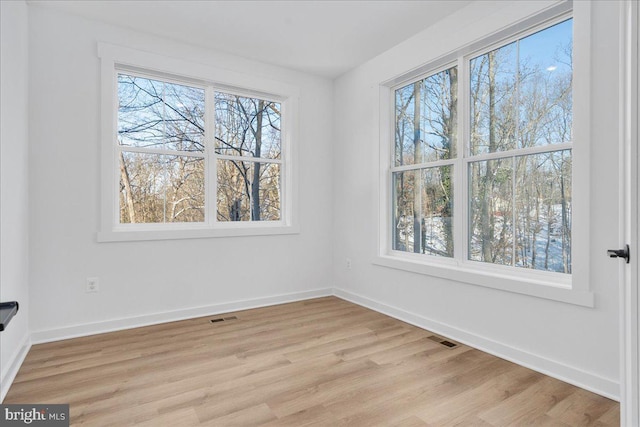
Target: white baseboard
(13,367)
(580,378)
(48,335)
(571,375)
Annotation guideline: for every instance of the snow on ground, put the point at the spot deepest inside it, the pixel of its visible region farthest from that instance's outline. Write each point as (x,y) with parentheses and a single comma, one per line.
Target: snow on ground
(435,243)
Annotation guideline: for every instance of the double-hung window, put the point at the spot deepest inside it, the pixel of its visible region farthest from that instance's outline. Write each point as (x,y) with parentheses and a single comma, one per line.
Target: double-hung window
(518,154)
(480,178)
(187,157)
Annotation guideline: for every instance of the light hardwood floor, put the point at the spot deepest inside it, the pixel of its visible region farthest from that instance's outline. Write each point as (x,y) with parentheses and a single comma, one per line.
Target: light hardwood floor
(323,362)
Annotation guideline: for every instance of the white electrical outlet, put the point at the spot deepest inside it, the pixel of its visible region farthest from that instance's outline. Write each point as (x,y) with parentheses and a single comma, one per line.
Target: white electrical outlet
(93,284)
(348,263)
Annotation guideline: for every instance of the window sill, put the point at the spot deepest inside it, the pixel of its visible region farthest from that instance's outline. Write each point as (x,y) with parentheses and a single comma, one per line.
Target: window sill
(519,284)
(163,233)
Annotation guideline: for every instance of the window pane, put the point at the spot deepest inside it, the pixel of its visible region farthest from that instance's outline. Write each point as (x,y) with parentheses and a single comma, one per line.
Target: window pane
(520,94)
(423,201)
(437,209)
(161,115)
(404,188)
(248,191)
(493,100)
(426,119)
(490,211)
(247,126)
(157,188)
(545,86)
(543,211)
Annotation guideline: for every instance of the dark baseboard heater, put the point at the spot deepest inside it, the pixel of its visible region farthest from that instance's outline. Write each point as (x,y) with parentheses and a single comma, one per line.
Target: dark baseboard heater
(7,311)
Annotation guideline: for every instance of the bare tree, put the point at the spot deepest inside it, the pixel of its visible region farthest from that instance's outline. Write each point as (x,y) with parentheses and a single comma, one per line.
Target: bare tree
(160,187)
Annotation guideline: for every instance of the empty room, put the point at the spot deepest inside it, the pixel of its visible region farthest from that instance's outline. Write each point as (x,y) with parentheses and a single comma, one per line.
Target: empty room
(288,213)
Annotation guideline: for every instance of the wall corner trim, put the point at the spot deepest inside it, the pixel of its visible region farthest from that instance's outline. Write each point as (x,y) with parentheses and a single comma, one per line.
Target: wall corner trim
(14,365)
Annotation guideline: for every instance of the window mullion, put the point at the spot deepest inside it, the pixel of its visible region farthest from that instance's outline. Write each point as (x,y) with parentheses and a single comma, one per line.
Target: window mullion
(516,106)
(146,150)
(211,165)
(248,159)
(428,165)
(538,149)
(514,213)
(460,191)
(164,147)
(389,183)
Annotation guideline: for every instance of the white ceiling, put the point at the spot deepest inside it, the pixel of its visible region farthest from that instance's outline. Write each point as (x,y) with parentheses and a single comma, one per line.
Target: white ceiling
(326,38)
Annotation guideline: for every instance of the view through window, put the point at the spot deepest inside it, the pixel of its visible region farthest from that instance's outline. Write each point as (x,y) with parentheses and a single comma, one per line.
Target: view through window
(180,147)
(511,165)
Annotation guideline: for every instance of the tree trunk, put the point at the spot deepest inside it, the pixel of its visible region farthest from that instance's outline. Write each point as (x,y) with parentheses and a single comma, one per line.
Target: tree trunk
(486,216)
(124,175)
(255,181)
(401,234)
(399,186)
(566,230)
(536,227)
(235,210)
(176,190)
(549,225)
(447,213)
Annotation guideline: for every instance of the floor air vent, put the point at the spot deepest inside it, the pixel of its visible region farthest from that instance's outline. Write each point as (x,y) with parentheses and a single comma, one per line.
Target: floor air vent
(443,341)
(223,319)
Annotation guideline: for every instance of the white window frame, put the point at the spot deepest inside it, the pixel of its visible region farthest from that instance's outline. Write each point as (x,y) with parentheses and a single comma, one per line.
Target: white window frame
(117,59)
(570,288)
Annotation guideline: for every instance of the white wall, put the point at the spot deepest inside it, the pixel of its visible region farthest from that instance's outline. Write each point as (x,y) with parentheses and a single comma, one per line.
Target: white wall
(141,280)
(572,342)
(14,273)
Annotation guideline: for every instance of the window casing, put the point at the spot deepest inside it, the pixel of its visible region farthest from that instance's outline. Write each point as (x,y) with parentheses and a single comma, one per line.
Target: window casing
(193,151)
(449,164)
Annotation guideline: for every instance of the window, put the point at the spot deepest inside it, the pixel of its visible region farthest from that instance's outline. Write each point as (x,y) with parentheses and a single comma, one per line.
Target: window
(186,157)
(426,114)
(519,152)
(248,158)
(161,144)
(481,172)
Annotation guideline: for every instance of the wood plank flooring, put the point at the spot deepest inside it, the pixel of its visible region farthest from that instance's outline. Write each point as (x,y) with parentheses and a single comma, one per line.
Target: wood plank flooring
(321,362)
